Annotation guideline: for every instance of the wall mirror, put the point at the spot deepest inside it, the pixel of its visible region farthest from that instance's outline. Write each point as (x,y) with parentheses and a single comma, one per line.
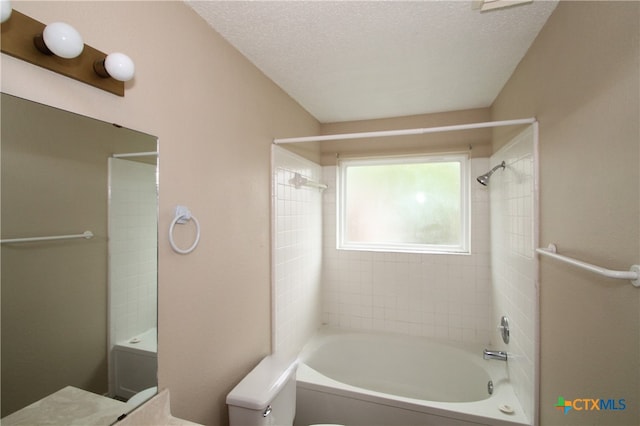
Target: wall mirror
(76,311)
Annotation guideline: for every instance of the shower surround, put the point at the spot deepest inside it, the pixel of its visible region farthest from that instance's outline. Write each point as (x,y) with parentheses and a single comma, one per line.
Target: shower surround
(449,296)
(433,295)
(514,265)
(296,252)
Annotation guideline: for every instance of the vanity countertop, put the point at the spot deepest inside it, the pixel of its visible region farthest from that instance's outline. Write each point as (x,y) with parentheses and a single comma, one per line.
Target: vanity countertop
(72,406)
(155,412)
(69,406)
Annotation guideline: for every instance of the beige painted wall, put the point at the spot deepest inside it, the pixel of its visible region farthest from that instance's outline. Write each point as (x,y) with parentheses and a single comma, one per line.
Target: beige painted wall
(215,115)
(580,79)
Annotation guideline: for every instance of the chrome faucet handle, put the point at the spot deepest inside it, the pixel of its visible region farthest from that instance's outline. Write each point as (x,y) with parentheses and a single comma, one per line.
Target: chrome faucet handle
(504,328)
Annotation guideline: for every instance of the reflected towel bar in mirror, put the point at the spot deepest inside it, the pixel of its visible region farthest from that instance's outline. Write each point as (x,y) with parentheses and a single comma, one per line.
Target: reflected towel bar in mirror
(86,235)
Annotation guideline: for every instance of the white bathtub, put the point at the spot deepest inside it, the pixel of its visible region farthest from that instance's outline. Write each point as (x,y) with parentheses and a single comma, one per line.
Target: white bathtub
(135,361)
(383,379)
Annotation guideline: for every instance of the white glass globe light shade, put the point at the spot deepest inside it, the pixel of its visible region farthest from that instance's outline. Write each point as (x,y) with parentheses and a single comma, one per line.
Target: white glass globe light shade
(119,66)
(63,40)
(5,10)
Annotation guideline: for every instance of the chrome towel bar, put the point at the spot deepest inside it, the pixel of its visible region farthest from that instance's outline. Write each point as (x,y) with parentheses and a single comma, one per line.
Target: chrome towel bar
(633,274)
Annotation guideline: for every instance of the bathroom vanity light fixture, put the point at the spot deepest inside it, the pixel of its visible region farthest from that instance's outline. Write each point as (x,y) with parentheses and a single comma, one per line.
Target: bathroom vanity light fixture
(59,47)
(60,39)
(5,10)
(116,65)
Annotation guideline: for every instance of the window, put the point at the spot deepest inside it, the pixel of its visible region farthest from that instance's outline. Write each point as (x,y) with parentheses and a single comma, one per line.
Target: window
(407,204)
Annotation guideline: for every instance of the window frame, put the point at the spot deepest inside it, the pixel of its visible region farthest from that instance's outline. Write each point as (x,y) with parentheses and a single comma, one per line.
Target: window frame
(464,247)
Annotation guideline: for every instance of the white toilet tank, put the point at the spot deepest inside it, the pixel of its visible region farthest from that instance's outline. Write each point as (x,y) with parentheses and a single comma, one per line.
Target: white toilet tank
(266,396)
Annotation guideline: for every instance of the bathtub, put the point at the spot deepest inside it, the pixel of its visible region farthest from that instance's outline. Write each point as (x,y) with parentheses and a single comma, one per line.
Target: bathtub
(135,362)
(384,379)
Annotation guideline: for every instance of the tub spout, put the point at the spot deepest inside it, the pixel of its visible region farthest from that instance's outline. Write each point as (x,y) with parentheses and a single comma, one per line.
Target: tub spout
(499,355)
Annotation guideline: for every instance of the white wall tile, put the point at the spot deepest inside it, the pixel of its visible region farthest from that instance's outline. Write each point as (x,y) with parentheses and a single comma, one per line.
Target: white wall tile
(418,294)
(298,252)
(133,233)
(513,259)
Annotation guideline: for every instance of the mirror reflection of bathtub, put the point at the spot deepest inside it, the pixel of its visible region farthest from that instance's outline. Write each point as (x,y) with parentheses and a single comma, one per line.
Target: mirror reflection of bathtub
(135,363)
(68,305)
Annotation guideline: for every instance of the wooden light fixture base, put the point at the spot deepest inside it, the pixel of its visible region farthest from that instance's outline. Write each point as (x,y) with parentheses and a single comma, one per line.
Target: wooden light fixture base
(17,40)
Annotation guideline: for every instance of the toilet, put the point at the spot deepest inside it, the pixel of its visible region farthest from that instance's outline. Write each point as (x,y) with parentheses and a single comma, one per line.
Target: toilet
(266,396)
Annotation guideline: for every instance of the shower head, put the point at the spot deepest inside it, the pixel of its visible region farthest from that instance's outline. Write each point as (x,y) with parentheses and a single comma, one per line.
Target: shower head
(484,179)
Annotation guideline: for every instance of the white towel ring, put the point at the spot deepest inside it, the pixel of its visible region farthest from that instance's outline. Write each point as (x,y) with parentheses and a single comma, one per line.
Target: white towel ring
(182,216)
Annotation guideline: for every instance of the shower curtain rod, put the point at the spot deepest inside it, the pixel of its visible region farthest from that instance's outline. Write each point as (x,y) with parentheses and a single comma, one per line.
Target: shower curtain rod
(136,154)
(406,131)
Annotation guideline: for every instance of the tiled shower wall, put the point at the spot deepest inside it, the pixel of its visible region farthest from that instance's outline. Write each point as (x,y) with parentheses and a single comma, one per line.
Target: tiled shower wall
(435,295)
(514,265)
(133,239)
(455,297)
(297,252)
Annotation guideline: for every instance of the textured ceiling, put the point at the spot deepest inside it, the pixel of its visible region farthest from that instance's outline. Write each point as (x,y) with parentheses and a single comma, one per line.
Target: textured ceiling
(354,60)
